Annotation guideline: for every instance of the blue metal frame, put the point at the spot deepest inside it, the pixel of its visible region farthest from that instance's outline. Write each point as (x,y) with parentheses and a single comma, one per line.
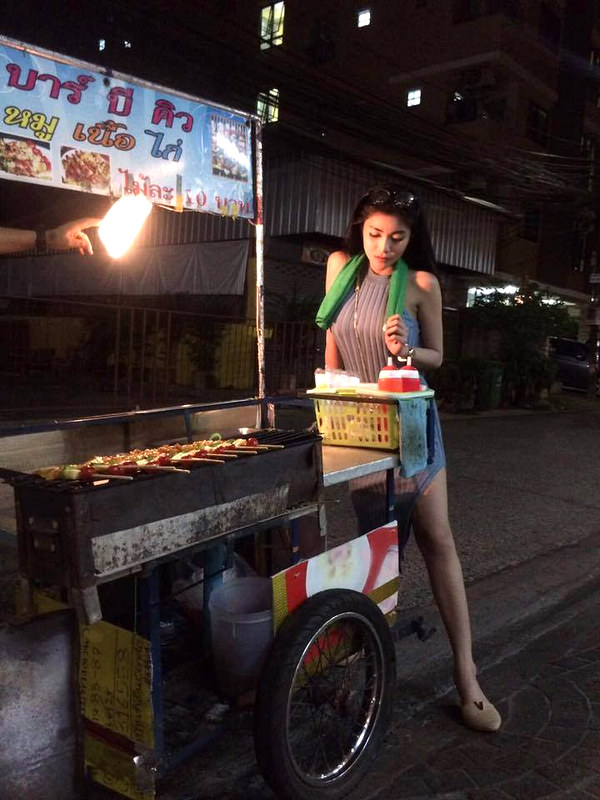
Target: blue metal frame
(131,416)
(150,629)
(216,558)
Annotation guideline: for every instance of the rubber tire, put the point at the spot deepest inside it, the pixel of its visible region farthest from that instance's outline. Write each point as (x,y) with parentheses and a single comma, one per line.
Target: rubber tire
(275,686)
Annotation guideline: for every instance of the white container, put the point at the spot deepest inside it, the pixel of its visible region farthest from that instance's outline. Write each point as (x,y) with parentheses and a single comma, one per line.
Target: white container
(241,622)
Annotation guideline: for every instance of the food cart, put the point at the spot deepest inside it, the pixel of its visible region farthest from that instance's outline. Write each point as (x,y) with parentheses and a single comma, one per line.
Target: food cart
(108,547)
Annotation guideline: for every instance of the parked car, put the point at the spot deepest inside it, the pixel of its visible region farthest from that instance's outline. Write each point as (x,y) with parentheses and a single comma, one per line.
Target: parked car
(573,360)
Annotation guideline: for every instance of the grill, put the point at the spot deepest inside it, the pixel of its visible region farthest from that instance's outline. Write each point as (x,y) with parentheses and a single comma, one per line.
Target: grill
(78,535)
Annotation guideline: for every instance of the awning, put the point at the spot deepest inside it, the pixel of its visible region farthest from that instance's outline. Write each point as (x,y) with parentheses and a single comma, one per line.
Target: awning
(206,268)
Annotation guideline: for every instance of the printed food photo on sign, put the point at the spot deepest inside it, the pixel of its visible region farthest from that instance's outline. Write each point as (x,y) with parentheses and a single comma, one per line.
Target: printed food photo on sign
(229,148)
(85,169)
(25,157)
(344,567)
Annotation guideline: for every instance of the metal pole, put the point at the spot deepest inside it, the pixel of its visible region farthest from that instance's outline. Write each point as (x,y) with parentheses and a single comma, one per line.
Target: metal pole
(155,363)
(117,355)
(143,356)
(260,270)
(130,356)
(593,339)
(167,358)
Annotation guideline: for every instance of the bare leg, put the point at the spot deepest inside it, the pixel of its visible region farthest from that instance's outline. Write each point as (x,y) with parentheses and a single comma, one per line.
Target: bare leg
(436,543)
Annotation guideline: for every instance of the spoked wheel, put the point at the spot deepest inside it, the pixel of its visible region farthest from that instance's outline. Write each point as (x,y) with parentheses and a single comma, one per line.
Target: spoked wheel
(325,697)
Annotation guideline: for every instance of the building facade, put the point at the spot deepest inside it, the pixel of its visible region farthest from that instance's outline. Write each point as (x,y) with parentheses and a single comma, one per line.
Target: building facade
(497,99)
(494,100)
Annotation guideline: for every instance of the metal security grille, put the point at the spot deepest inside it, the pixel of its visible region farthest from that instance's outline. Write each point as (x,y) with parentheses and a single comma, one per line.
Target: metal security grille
(89,357)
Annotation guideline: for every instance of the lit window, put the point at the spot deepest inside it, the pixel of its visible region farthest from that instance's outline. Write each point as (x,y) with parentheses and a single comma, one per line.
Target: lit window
(364,18)
(271,25)
(101,44)
(413,97)
(126,44)
(267,106)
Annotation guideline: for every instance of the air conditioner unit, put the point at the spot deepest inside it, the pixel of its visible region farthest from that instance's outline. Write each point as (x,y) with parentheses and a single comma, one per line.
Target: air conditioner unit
(313,254)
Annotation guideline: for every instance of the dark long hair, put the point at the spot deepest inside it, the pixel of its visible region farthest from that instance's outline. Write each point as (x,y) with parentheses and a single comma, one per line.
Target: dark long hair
(393,199)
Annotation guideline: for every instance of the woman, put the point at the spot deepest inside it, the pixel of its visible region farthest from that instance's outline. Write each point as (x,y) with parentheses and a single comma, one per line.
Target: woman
(383,299)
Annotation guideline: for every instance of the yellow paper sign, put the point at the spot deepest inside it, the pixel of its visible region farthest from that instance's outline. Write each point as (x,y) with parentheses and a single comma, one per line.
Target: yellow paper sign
(115,681)
(116,770)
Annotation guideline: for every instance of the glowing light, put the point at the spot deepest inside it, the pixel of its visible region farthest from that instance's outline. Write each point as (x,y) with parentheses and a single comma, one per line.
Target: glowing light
(413,97)
(364,18)
(123,222)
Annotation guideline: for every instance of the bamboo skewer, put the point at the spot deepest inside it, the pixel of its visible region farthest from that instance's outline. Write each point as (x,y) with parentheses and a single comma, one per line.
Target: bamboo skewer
(219,455)
(204,456)
(110,477)
(160,468)
(206,460)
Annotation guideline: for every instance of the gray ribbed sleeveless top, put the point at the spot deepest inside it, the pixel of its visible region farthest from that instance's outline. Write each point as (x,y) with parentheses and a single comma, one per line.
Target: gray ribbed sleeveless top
(372,301)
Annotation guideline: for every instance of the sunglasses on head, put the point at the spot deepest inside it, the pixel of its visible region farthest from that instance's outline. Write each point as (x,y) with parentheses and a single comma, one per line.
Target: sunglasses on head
(382,197)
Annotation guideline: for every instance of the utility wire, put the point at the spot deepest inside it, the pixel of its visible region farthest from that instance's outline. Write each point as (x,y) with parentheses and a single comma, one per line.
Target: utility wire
(343,107)
(433,142)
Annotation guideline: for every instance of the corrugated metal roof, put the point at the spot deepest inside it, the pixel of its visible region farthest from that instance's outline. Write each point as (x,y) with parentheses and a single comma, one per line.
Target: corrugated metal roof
(169,227)
(311,193)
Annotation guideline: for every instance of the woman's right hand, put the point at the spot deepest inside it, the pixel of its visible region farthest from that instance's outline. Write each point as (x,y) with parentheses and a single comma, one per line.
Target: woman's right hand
(395,334)
(71,236)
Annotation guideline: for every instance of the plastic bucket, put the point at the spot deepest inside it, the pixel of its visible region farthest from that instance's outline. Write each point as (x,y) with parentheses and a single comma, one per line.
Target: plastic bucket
(241,632)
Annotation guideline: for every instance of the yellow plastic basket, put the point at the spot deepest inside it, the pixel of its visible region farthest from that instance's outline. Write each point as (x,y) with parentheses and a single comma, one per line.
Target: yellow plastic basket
(356,423)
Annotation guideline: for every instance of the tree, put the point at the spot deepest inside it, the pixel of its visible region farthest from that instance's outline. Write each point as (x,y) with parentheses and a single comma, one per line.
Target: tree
(522,323)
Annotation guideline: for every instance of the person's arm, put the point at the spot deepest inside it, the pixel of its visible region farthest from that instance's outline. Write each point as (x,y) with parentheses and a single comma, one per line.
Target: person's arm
(66,237)
(429,312)
(333,358)
(13,240)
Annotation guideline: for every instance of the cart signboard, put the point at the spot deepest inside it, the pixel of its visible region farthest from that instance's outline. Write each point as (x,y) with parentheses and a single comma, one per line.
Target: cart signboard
(69,124)
(368,564)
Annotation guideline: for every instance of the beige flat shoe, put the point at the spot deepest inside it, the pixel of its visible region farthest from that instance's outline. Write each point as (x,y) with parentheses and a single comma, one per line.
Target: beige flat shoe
(481,716)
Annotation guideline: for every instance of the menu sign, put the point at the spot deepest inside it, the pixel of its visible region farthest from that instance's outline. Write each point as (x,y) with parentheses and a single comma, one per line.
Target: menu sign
(65,124)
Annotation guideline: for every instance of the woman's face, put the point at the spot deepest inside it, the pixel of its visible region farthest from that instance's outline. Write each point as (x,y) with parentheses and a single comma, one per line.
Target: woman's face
(385,239)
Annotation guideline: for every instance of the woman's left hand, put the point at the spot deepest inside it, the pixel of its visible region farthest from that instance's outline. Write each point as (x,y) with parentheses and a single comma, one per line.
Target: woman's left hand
(395,334)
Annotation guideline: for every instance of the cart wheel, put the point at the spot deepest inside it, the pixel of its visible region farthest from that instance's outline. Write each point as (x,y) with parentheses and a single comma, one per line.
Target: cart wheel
(325,697)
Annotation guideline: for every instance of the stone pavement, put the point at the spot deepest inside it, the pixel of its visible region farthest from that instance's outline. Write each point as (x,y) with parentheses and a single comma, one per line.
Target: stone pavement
(548,746)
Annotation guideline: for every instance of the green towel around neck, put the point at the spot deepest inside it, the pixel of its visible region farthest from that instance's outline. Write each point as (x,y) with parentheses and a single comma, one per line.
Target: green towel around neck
(346,280)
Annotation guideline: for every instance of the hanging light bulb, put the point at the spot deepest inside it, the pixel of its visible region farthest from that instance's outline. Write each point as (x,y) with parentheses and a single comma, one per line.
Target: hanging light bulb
(123,222)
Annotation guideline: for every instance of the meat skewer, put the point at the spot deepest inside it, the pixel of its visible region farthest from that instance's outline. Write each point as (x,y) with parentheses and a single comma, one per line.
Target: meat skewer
(165,458)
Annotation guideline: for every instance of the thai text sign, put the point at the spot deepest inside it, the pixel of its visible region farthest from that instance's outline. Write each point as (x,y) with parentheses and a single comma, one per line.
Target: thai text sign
(65,124)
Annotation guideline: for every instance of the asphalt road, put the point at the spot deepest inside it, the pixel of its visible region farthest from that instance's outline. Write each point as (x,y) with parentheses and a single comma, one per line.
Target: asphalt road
(519,484)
